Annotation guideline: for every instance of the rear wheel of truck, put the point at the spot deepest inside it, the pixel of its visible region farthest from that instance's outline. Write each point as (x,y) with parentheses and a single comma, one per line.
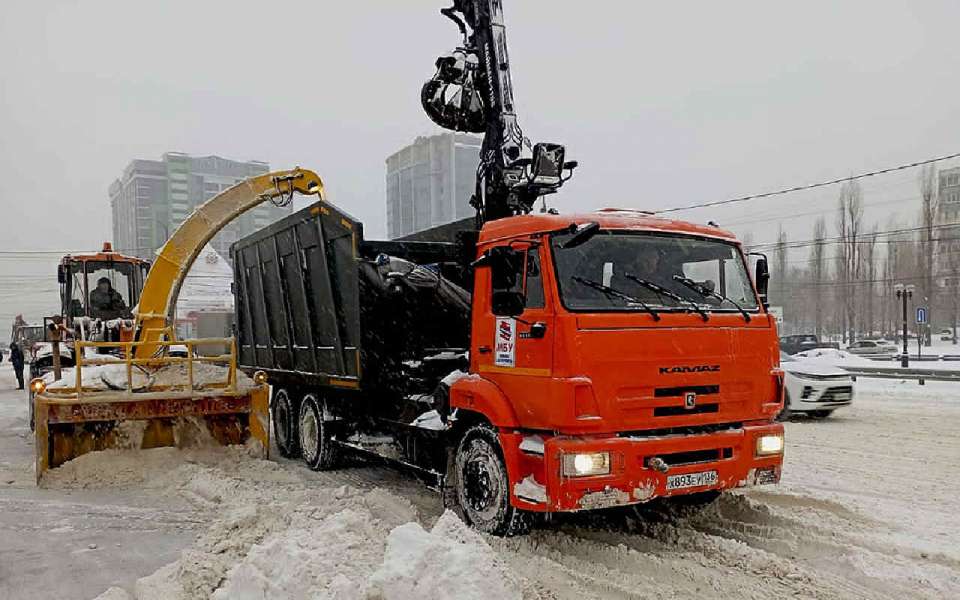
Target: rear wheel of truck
(483,487)
(316,443)
(285,423)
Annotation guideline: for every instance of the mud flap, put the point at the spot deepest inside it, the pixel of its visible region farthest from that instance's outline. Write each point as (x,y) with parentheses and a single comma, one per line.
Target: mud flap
(67,429)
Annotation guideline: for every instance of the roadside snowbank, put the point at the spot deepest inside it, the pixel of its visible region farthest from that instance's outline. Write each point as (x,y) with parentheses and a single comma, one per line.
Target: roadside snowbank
(274,535)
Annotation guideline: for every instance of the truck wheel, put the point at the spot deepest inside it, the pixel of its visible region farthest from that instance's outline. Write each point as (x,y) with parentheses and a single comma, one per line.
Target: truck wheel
(820,414)
(285,424)
(316,445)
(482,485)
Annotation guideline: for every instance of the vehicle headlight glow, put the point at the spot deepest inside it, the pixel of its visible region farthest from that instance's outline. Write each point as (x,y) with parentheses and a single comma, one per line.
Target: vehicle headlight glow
(769,445)
(37,386)
(260,378)
(586,464)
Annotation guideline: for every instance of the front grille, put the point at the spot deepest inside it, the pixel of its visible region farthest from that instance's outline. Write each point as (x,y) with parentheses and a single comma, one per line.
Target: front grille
(676,411)
(693,457)
(700,390)
(837,394)
(690,430)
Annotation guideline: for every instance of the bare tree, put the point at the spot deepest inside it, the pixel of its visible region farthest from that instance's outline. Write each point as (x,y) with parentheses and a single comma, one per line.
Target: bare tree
(929,207)
(869,270)
(849,223)
(818,272)
(780,260)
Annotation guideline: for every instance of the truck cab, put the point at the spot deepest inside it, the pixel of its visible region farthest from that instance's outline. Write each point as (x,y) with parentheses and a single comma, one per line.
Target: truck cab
(98,292)
(621,357)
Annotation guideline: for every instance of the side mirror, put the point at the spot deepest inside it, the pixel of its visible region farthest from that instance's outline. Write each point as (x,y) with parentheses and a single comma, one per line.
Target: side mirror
(763,278)
(508,304)
(61,274)
(548,161)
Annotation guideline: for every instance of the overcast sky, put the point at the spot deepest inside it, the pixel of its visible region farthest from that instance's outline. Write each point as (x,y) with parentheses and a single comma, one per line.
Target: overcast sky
(663,104)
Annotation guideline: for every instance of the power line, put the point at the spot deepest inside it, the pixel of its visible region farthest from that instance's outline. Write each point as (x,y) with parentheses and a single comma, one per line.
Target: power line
(866,234)
(811,186)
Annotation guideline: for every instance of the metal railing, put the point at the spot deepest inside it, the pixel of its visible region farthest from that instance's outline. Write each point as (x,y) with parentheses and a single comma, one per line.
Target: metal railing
(920,375)
(161,359)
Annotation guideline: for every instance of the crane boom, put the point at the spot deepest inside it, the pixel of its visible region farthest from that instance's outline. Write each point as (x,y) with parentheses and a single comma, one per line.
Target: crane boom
(155,315)
(472,91)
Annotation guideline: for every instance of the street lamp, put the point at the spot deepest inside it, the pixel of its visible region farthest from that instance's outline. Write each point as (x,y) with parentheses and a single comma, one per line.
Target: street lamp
(904,292)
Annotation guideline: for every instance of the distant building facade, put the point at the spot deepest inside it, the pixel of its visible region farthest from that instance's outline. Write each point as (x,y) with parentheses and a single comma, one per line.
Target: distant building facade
(430,182)
(949,195)
(153,197)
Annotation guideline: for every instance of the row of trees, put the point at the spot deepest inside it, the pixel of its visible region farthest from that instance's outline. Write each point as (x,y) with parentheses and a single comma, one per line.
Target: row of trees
(843,284)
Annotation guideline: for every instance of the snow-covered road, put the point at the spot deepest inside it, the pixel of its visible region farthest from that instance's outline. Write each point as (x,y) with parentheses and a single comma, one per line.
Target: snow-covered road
(867,509)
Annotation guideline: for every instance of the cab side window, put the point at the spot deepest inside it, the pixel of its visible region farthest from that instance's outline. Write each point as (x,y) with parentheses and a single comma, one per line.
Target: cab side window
(525,277)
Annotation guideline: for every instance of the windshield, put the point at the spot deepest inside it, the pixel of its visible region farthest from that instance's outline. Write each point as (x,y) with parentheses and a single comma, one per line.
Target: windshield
(106,294)
(629,262)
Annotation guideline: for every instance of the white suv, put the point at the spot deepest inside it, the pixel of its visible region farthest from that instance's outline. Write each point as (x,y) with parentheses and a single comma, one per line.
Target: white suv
(814,388)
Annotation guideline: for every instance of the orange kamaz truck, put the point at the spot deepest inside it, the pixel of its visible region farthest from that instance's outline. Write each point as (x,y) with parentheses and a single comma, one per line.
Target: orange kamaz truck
(545,363)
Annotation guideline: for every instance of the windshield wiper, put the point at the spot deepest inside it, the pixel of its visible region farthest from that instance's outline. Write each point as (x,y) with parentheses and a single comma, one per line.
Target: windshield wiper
(708,293)
(665,292)
(606,289)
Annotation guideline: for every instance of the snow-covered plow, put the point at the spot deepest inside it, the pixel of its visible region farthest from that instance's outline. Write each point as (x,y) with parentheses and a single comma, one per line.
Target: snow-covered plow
(112,399)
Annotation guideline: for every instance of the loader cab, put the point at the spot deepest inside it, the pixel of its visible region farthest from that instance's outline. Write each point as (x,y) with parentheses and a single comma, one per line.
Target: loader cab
(104,286)
(606,323)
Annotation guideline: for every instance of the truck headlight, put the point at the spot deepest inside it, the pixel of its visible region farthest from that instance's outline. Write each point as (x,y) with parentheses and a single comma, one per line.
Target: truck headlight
(586,464)
(37,386)
(260,378)
(769,445)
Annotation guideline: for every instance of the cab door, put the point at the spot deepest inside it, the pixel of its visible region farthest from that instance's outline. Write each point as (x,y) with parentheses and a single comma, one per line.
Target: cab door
(515,352)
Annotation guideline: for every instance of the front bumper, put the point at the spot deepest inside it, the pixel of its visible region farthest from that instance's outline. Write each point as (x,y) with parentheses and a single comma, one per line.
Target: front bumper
(730,453)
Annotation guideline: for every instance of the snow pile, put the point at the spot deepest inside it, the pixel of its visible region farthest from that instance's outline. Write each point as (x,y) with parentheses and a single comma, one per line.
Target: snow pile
(114,376)
(449,562)
(273,534)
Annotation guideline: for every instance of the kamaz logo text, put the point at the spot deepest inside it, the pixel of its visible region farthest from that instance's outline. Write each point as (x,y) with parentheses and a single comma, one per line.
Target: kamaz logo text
(695,369)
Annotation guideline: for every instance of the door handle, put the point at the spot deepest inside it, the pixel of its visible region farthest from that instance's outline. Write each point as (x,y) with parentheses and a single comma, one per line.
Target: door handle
(484,349)
(538,330)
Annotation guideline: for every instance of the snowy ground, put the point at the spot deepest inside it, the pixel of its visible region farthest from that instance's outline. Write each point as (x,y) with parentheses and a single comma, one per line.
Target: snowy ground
(867,509)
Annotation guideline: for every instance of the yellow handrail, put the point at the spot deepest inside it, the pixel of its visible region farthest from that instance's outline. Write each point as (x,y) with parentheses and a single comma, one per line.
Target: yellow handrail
(129,360)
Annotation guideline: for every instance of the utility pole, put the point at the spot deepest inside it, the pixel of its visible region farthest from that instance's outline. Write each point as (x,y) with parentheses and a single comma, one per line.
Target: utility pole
(903,294)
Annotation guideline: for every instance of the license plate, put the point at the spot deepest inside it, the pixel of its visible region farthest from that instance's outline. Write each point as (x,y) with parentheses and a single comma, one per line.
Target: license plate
(689,480)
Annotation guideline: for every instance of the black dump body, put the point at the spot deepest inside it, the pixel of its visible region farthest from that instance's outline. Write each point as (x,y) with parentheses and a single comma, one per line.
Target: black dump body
(317,305)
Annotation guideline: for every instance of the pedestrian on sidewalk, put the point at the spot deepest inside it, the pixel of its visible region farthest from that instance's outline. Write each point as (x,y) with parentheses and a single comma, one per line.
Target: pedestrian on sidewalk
(16,358)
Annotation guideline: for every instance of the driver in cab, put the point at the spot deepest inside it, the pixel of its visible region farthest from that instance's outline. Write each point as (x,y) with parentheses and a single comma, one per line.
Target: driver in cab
(105,302)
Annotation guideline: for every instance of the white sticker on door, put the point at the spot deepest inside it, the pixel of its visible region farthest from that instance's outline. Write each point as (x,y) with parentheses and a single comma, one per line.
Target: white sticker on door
(506,342)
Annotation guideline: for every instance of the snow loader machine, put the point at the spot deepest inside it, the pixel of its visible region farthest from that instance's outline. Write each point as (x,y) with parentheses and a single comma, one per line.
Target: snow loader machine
(520,363)
(133,391)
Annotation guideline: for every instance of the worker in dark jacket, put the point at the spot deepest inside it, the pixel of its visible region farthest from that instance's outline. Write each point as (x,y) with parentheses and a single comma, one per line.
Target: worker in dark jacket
(105,302)
(16,357)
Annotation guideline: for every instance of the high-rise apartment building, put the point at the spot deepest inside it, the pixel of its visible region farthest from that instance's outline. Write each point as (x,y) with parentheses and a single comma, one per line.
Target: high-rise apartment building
(430,182)
(153,197)
(949,195)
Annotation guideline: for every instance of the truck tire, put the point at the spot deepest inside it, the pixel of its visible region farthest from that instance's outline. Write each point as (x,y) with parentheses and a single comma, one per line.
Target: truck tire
(316,443)
(286,423)
(820,414)
(482,486)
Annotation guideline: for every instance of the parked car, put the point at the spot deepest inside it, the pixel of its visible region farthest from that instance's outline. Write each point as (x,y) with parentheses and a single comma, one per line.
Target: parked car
(872,347)
(791,344)
(946,335)
(814,388)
